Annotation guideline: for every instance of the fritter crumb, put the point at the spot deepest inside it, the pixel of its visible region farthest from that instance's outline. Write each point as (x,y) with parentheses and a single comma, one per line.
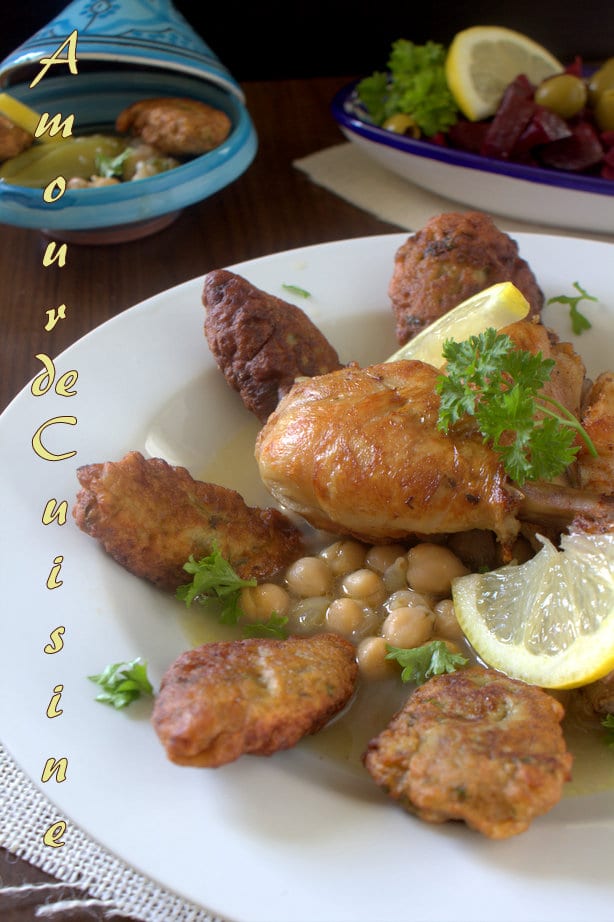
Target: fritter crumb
(452,258)
(475,746)
(223,700)
(150,517)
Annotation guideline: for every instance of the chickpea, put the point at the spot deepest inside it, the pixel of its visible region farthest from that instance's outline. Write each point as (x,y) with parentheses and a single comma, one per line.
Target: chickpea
(372,662)
(344,556)
(563,94)
(364,584)
(406,598)
(408,627)
(382,556)
(306,616)
(432,567)
(309,576)
(259,602)
(395,576)
(446,624)
(344,616)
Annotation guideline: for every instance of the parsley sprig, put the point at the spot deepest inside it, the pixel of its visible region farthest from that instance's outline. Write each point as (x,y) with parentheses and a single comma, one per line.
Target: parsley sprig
(123,683)
(501,387)
(579,323)
(213,577)
(420,663)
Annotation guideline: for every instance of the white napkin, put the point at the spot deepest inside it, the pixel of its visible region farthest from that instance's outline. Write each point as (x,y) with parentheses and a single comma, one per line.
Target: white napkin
(355,177)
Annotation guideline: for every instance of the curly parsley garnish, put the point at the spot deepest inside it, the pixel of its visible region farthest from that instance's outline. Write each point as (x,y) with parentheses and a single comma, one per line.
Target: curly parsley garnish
(501,387)
(608,723)
(579,323)
(213,577)
(420,663)
(415,85)
(123,683)
(113,167)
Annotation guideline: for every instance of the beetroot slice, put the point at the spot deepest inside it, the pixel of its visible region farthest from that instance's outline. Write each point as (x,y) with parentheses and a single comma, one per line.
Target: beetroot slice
(580,151)
(545,126)
(513,115)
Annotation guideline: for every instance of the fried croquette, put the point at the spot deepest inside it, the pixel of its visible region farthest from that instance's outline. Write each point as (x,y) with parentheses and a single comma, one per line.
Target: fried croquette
(453,257)
(13,139)
(176,126)
(223,700)
(476,746)
(150,517)
(261,343)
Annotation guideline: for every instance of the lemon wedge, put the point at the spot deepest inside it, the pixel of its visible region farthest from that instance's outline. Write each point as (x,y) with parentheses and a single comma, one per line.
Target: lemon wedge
(483,60)
(549,621)
(23,116)
(497,306)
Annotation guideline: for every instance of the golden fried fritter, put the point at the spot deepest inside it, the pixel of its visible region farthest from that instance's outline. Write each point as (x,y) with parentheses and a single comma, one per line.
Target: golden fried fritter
(599,695)
(150,517)
(261,343)
(453,257)
(476,746)
(176,126)
(13,139)
(222,700)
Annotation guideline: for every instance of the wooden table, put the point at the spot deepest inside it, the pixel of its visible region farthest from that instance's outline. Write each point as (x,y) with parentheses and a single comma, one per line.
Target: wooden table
(272,207)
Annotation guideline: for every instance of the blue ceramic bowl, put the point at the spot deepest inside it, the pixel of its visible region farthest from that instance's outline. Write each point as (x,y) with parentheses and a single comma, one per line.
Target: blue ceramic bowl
(141,206)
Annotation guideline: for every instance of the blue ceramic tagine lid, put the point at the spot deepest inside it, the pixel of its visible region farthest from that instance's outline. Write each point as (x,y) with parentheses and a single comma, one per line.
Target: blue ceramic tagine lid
(147,33)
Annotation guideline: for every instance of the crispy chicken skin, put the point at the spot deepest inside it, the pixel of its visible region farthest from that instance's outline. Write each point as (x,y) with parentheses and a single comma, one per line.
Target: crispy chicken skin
(357,452)
(13,139)
(223,700)
(261,343)
(598,420)
(475,746)
(150,517)
(175,126)
(453,257)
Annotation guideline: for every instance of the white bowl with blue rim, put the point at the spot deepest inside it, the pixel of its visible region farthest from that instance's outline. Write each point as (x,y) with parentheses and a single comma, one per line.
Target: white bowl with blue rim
(127,50)
(555,198)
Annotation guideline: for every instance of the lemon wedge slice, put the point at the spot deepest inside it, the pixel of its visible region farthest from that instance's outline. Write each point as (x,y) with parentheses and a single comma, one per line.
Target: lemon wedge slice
(497,306)
(483,60)
(549,621)
(23,116)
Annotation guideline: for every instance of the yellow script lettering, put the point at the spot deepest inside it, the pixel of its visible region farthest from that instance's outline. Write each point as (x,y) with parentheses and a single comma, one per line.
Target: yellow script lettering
(55,511)
(55,314)
(50,256)
(70,44)
(56,640)
(52,707)
(44,381)
(38,446)
(54,190)
(53,836)
(55,767)
(52,580)
(54,126)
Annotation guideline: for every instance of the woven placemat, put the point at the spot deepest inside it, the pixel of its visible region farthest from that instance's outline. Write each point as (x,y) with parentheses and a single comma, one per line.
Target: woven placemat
(96,879)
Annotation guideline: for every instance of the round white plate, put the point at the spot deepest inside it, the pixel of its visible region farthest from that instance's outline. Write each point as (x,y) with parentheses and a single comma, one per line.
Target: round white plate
(298,837)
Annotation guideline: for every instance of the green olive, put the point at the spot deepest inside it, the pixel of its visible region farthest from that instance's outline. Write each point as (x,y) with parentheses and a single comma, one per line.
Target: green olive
(401,123)
(602,79)
(563,94)
(604,110)
(77,156)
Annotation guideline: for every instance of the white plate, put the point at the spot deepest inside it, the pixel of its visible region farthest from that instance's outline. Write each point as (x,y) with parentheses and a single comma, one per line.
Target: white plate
(558,198)
(297,837)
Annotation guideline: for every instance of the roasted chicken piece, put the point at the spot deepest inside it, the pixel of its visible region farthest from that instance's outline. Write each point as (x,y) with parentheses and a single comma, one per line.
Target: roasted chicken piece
(476,746)
(261,343)
(358,452)
(453,257)
(222,700)
(598,420)
(150,517)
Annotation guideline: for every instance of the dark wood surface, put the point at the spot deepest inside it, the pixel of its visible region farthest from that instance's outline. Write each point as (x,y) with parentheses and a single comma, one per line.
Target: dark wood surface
(272,207)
